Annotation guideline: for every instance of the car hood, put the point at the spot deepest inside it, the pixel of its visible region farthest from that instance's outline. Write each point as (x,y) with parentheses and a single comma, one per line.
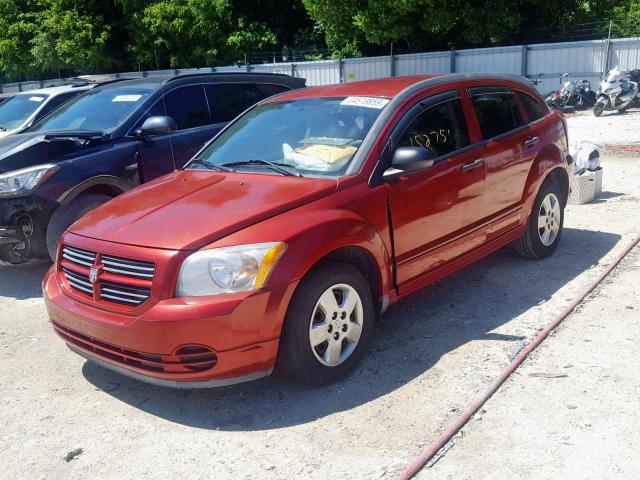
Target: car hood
(189,209)
(36,148)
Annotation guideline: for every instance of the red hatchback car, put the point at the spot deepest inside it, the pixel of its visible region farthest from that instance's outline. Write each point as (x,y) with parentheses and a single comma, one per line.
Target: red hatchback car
(311,213)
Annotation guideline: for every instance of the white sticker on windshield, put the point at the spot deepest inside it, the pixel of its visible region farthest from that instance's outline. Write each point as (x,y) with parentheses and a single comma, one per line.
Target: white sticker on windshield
(126,98)
(36,99)
(367,102)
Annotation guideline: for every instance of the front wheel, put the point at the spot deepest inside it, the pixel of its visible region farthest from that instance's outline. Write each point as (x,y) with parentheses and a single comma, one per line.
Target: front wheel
(327,326)
(66,215)
(544,228)
(599,108)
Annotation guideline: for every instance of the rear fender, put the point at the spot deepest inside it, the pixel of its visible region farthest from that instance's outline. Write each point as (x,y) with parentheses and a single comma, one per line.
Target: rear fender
(548,160)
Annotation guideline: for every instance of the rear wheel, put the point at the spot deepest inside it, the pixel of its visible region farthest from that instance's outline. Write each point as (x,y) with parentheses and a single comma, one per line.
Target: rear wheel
(66,215)
(327,326)
(545,224)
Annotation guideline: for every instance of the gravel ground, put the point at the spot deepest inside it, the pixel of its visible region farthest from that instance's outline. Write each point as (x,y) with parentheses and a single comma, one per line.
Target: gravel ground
(65,418)
(571,409)
(612,128)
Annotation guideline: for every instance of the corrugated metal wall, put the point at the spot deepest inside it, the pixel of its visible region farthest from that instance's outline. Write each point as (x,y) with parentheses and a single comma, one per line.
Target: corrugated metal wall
(585,59)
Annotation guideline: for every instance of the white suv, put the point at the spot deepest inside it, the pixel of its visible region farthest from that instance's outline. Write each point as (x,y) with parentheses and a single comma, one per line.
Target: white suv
(25,108)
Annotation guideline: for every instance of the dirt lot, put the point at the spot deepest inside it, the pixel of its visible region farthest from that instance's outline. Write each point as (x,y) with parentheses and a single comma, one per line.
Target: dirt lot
(431,355)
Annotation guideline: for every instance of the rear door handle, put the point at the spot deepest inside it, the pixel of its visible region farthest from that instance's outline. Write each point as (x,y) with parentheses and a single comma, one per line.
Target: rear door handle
(473,165)
(531,142)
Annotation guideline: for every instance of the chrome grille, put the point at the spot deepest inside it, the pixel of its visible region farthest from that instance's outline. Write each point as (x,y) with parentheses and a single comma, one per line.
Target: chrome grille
(123,281)
(78,281)
(130,268)
(81,257)
(122,293)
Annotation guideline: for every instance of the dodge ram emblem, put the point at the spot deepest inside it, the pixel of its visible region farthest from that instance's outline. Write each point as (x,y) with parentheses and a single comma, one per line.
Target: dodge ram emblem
(93,274)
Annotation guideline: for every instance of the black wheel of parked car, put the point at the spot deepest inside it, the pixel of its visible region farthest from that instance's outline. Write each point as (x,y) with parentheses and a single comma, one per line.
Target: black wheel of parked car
(546,220)
(66,215)
(327,326)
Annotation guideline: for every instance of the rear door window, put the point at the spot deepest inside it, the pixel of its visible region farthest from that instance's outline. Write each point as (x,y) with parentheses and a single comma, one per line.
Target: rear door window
(497,112)
(228,100)
(535,108)
(440,128)
(186,105)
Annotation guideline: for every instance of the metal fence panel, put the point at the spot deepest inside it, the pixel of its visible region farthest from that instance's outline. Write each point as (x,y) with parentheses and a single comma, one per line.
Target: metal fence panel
(421,63)
(490,60)
(366,68)
(625,53)
(584,59)
(323,72)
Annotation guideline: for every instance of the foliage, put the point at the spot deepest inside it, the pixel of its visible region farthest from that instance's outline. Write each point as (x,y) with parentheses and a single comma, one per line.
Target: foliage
(627,19)
(41,38)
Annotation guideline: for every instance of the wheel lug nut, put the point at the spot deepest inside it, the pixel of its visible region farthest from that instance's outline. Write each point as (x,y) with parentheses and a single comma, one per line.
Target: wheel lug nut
(334,316)
(344,327)
(336,336)
(330,328)
(343,315)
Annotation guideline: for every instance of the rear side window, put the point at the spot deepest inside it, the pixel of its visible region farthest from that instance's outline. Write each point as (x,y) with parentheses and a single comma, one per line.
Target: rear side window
(534,107)
(227,101)
(187,106)
(55,102)
(497,113)
(440,128)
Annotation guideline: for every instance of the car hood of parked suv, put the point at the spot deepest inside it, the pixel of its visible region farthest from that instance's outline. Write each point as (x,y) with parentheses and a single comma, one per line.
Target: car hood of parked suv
(36,148)
(189,209)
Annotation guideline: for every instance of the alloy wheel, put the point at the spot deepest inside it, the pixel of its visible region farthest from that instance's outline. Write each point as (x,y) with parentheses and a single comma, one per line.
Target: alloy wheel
(549,218)
(336,324)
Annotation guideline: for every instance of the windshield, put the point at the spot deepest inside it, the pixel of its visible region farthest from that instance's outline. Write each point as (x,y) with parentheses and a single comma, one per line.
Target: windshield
(16,110)
(613,76)
(315,136)
(101,110)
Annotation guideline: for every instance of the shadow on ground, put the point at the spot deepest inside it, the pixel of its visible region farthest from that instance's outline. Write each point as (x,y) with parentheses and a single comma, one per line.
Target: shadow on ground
(23,281)
(413,335)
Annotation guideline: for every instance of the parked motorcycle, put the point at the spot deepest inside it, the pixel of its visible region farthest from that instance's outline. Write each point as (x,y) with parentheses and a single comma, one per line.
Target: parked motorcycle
(574,94)
(618,91)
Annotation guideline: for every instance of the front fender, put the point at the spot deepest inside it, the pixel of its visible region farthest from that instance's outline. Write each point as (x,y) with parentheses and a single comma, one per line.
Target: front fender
(311,235)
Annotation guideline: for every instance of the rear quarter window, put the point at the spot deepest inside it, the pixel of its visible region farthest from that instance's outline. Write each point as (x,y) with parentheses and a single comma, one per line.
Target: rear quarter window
(535,107)
(497,113)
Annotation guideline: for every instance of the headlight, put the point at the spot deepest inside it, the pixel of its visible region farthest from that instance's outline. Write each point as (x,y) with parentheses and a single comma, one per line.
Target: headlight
(22,181)
(228,270)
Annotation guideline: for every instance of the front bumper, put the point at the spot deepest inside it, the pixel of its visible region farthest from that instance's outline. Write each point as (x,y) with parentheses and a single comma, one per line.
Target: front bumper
(241,330)
(23,223)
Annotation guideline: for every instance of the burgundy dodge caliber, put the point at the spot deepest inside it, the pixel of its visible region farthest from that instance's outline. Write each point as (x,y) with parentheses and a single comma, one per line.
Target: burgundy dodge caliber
(279,243)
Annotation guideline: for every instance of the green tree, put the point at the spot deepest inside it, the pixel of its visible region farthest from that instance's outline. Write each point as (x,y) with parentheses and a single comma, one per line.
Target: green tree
(627,18)
(69,38)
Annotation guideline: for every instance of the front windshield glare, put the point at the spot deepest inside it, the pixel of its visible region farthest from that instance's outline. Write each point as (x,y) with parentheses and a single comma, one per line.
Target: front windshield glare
(100,110)
(316,136)
(16,110)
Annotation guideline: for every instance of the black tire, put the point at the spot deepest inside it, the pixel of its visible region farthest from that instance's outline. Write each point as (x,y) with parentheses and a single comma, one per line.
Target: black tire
(530,245)
(66,215)
(599,108)
(296,360)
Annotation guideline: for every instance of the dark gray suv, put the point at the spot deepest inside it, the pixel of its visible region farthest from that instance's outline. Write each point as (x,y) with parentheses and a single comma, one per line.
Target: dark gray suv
(109,140)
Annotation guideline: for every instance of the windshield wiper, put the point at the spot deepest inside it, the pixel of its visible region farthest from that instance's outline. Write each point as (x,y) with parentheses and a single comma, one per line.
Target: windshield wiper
(210,166)
(278,167)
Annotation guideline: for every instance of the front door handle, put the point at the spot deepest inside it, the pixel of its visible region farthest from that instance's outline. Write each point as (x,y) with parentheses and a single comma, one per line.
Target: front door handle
(531,142)
(473,165)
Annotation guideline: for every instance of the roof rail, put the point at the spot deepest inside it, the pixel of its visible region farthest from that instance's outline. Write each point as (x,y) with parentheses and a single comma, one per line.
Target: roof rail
(213,74)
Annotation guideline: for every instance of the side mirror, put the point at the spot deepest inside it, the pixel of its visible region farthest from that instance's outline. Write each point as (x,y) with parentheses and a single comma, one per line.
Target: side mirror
(407,160)
(159,125)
